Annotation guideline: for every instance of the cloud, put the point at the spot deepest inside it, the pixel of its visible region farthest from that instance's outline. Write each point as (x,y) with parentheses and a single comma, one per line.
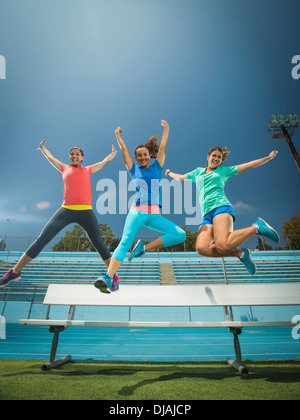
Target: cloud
(20,217)
(43,205)
(241,207)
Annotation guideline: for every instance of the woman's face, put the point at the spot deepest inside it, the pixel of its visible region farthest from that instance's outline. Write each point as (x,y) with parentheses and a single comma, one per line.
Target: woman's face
(214,159)
(143,157)
(75,157)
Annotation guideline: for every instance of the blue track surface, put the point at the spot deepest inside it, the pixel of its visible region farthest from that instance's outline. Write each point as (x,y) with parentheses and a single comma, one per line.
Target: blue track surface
(155,344)
(24,299)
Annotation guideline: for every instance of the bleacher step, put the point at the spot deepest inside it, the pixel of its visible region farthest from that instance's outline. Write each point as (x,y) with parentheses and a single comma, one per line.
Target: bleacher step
(166,274)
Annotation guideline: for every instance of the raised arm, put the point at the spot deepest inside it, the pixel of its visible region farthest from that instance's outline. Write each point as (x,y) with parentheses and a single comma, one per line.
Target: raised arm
(176,176)
(97,166)
(163,144)
(255,163)
(126,155)
(55,162)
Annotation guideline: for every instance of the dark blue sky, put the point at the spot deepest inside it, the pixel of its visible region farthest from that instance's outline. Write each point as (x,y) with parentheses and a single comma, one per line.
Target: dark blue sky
(215,70)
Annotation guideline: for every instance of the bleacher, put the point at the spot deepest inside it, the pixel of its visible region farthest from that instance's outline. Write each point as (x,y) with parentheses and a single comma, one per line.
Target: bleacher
(271,267)
(67,269)
(83,268)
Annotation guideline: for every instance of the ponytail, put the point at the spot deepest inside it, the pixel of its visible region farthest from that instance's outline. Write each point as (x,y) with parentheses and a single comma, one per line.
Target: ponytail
(225,153)
(151,145)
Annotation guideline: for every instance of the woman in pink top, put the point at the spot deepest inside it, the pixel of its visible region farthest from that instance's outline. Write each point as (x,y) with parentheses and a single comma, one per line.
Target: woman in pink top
(76,208)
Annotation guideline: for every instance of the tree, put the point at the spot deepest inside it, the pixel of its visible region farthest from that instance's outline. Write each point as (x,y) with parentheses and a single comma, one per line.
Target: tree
(76,240)
(291,233)
(262,245)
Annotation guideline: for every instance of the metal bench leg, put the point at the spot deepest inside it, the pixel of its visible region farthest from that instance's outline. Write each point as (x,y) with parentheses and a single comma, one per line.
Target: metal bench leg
(52,362)
(237,364)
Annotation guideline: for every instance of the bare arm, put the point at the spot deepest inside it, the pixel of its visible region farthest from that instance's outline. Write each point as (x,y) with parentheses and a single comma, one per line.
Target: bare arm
(163,144)
(126,155)
(176,176)
(55,162)
(255,163)
(97,166)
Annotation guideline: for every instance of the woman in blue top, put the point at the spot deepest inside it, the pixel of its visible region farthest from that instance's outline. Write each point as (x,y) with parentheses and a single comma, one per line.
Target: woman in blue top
(146,208)
(216,237)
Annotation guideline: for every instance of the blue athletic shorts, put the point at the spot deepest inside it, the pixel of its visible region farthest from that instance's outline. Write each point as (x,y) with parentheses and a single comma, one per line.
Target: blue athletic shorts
(209,217)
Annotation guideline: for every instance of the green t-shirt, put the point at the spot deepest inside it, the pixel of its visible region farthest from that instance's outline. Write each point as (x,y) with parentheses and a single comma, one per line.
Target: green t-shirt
(210,186)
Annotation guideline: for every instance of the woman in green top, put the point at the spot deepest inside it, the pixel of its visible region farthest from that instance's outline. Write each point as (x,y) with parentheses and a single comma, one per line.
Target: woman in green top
(216,237)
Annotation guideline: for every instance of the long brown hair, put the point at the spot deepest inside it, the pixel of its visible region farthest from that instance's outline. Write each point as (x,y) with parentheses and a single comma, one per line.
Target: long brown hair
(151,145)
(224,152)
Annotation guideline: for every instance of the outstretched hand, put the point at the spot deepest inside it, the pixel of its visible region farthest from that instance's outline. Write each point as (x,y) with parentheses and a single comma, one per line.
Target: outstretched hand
(41,144)
(114,151)
(273,154)
(118,131)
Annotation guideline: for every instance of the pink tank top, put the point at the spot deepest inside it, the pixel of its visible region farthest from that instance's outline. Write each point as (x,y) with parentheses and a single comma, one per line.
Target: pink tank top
(77,185)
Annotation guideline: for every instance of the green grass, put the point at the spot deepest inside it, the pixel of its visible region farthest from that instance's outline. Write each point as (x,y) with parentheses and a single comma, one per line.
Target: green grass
(24,380)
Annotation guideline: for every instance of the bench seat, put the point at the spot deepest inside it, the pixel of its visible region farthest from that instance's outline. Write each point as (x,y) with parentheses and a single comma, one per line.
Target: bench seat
(204,295)
(225,296)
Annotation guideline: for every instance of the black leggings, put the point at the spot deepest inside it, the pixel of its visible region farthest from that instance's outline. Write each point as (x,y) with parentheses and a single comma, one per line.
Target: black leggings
(64,217)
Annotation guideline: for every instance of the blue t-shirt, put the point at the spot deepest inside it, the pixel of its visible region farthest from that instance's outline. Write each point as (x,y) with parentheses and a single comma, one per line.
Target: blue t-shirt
(147,182)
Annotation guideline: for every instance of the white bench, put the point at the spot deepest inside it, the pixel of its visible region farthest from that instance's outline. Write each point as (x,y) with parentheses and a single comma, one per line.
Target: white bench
(225,296)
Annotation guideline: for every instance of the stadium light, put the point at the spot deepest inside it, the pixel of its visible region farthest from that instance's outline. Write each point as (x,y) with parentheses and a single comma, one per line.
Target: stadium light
(281,127)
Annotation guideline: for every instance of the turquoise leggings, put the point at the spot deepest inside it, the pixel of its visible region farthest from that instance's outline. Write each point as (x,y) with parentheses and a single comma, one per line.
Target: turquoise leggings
(136,219)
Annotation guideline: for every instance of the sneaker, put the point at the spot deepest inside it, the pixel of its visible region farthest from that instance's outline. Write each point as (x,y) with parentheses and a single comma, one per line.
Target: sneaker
(264,229)
(137,251)
(248,262)
(104,284)
(8,277)
(115,283)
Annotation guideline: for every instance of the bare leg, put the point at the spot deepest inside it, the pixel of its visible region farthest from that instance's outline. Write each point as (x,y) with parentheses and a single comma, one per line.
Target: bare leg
(227,239)
(205,247)
(106,262)
(113,266)
(23,261)
(157,243)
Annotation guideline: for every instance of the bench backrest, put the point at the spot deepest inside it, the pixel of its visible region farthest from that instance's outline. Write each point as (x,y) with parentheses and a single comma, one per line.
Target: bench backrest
(204,295)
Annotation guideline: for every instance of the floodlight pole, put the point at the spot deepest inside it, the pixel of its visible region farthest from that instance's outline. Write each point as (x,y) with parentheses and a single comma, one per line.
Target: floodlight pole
(291,146)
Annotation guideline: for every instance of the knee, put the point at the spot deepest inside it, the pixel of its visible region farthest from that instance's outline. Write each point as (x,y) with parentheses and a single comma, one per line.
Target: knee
(176,237)
(181,236)
(200,249)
